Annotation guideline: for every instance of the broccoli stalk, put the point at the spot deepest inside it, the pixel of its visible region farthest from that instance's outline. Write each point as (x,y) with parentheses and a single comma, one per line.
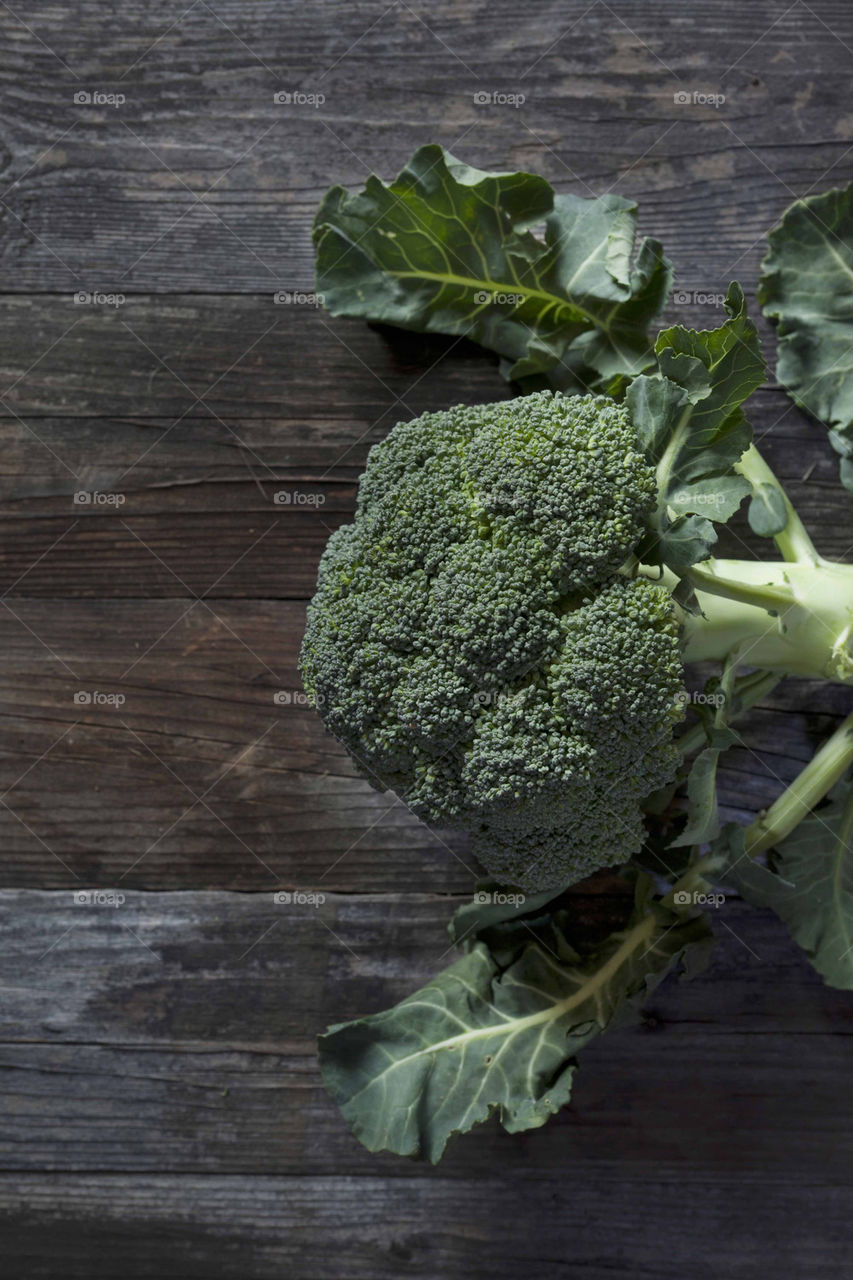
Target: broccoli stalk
(794,616)
(827,767)
(792,540)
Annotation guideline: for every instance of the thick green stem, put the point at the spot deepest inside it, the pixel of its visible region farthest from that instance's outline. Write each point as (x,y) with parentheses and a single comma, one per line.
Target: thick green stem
(818,778)
(791,617)
(793,541)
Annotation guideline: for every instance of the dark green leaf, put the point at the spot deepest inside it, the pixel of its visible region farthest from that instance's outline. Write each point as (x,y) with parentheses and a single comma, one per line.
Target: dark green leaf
(446,248)
(679,543)
(684,594)
(497,1031)
(692,429)
(659,858)
(807,286)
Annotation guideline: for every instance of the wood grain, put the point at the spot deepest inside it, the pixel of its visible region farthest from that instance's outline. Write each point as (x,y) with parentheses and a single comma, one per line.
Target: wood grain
(160,1092)
(180,492)
(372,1228)
(176,1032)
(201,181)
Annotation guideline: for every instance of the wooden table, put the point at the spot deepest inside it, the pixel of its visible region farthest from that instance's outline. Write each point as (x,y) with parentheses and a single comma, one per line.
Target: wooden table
(162,1114)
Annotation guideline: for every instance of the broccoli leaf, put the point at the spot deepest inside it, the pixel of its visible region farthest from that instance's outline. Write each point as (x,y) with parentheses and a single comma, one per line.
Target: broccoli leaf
(808,882)
(498,1030)
(693,431)
(807,286)
(446,248)
(767,513)
(702,817)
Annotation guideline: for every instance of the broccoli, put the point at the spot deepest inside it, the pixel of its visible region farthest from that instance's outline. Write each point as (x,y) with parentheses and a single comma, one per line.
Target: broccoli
(505,634)
(485,642)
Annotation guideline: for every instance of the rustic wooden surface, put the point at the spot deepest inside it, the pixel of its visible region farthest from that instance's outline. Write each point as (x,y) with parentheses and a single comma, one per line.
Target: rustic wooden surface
(161,1108)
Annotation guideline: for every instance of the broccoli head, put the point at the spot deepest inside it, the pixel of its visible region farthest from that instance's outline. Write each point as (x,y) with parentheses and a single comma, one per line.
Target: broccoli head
(474,645)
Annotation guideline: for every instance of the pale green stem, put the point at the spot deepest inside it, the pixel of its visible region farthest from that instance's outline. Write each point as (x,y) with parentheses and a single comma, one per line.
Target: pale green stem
(811,634)
(820,775)
(793,541)
(768,596)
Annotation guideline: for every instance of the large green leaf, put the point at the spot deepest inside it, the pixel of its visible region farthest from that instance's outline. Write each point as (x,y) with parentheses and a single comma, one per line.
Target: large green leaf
(693,431)
(808,882)
(446,248)
(498,1030)
(807,286)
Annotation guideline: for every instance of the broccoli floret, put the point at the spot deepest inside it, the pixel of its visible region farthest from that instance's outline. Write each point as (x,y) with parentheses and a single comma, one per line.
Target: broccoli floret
(474,645)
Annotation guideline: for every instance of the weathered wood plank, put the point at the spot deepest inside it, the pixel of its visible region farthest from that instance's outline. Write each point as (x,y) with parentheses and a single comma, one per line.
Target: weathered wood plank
(201,181)
(103,793)
(115,790)
(176,1033)
(84,1227)
(234,522)
(229,360)
(182,498)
